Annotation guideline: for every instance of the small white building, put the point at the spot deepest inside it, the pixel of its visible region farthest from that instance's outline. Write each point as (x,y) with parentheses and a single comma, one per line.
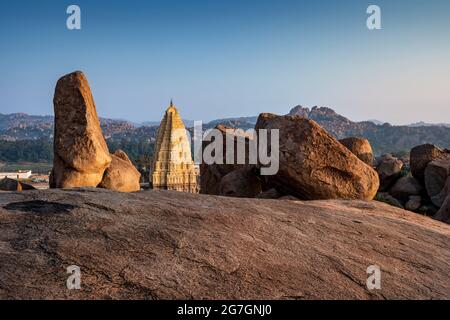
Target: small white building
(19,175)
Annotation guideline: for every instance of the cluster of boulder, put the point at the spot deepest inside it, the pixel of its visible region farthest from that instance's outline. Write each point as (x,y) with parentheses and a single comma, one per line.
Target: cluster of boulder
(424,187)
(81,155)
(312,165)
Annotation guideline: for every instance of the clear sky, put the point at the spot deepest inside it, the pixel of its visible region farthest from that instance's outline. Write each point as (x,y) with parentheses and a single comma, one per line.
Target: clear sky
(223,58)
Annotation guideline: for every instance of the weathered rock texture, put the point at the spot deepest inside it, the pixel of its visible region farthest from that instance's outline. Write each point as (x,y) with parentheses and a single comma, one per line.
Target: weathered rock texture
(405,187)
(413,203)
(389,169)
(170,245)
(439,199)
(361,148)
(436,175)
(212,174)
(444,212)
(121,175)
(420,156)
(242,183)
(81,155)
(314,165)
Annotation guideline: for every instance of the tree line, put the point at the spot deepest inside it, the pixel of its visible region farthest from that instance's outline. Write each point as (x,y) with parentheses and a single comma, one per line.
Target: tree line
(139,151)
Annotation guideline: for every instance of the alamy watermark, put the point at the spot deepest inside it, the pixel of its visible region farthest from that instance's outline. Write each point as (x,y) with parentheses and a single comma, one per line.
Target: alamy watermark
(374,20)
(73,21)
(374,280)
(74,280)
(257,147)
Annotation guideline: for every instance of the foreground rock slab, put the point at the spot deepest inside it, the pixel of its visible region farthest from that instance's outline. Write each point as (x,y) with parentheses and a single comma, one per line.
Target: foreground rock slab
(169,245)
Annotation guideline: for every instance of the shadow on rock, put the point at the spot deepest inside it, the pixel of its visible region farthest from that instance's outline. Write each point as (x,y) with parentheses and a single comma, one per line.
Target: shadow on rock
(40,207)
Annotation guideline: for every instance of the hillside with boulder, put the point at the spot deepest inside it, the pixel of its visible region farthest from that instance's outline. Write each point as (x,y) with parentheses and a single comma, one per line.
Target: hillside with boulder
(384,138)
(422,188)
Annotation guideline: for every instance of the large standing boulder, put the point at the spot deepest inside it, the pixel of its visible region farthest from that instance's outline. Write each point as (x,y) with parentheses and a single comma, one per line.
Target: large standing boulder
(389,169)
(361,148)
(405,187)
(121,175)
(81,155)
(420,156)
(241,183)
(313,164)
(212,174)
(436,175)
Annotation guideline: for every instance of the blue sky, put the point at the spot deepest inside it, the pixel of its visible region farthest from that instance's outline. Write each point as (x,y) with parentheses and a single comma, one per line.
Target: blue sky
(223,58)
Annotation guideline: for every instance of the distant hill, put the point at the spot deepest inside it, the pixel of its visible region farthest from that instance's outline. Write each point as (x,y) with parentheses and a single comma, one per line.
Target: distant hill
(377,122)
(124,134)
(425,124)
(21,126)
(383,138)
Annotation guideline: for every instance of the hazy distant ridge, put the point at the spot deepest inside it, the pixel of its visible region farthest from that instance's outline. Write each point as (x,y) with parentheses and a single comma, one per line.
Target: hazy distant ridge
(383,137)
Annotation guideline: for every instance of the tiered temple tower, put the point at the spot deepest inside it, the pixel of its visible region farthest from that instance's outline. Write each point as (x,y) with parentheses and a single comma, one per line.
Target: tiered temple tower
(173,167)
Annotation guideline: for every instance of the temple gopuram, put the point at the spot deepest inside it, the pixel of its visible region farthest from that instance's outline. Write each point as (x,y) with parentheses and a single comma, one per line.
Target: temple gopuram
(173,167)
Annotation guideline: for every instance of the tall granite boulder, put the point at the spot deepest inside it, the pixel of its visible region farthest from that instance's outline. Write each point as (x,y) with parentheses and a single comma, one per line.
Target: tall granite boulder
(212,174)
(436,174)
(241,183)
(420,156)
(121,175)
(81,155)
(389,169)
(361,148)
(314,165)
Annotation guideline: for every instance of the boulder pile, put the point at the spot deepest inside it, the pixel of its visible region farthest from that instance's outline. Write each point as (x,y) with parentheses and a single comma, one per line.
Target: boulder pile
(81,156)
(425,188)
(313,165)
(214,179)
